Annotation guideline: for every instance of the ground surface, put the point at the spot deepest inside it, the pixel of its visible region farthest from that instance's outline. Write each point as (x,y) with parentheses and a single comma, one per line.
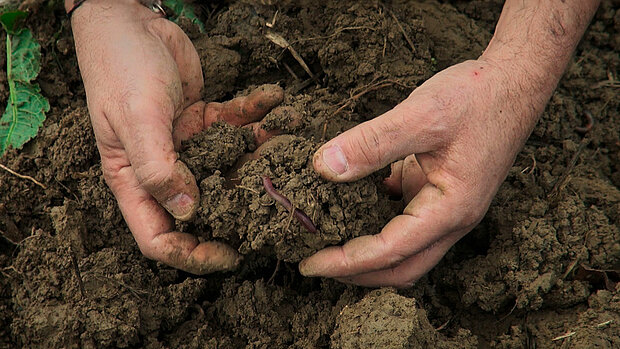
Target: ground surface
(538,271)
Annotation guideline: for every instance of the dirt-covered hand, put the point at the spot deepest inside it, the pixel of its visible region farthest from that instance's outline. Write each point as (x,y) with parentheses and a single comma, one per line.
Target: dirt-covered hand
(456,137)
(143,81)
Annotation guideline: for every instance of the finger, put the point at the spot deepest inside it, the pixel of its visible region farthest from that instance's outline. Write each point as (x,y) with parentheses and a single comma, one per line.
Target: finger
(239,111)
(146,134)
(431,215)
(185,56)
(407,272)
(152,229)
(413,178)
(406,178)
(261,135)
(394,182)
(188,124)
(243,110)
(374,144)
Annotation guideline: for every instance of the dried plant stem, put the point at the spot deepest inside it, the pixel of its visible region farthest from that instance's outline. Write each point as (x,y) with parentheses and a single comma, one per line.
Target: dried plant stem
(355,95)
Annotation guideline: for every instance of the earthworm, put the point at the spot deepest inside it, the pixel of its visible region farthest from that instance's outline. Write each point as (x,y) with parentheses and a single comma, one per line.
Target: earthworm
(589,123)
(299,214)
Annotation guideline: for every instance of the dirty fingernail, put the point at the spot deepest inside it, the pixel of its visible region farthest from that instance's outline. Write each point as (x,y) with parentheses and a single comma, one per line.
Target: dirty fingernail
(335,160)
(180,206)
(306,269)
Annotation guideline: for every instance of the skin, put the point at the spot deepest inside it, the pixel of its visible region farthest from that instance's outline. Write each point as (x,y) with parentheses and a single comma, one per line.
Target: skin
(454,140)
(451,142)
(143,79)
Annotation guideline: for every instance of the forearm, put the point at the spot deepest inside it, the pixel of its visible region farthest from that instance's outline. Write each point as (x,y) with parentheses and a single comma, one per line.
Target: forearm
(536,38)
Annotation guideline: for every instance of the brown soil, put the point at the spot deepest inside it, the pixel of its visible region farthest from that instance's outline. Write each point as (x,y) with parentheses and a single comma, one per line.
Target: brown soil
(541,270)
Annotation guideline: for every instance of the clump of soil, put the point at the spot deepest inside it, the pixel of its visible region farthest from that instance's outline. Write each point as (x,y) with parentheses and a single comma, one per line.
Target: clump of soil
(384,319)
(239,211)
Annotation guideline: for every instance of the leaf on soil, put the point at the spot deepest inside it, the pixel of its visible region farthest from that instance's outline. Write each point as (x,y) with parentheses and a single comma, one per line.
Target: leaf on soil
(26,107)
(10,20)
(182,9)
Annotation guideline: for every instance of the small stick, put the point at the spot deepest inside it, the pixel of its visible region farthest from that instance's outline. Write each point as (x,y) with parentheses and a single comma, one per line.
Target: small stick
(402,30)
(564,336)
(23,176)
(273,21)
(290,71)
(366,89)
(273,276)
(566,175)
(280,41)
(76,268)
(444,325)
(589,123)
(282,200)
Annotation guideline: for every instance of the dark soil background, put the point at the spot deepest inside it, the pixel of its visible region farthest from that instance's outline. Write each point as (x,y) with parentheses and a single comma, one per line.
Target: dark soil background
(540,271)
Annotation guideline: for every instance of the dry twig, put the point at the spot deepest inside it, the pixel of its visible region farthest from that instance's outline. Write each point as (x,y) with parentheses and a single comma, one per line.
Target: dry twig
(402,30)
(78,275)
(355,95)
(566,175)
(564,336)
(280,41)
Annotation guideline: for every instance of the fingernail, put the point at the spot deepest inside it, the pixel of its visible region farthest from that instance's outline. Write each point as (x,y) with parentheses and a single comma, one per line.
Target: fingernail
(335,160)
(180,206)
(305,269)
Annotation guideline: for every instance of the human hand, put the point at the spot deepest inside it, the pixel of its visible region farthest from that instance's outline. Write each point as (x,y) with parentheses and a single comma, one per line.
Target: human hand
(458,134)
(143,79)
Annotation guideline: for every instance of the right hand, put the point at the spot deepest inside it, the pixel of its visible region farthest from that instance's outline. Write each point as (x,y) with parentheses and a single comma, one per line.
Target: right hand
(143,81)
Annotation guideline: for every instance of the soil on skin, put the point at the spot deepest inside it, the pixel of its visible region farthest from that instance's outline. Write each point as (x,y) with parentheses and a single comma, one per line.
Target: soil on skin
(541,270)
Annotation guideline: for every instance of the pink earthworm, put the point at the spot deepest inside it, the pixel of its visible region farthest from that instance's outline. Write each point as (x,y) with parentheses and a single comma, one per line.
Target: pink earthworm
(299,214)
(589,123)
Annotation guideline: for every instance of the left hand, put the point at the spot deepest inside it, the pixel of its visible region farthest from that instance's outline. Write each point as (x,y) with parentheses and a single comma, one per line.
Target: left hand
(143,81)
(458,134)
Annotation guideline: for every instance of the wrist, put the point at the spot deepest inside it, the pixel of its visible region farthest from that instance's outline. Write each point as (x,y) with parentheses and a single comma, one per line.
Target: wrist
(533,44)
(71,4)
(526,65)
(113,9)
(523,88)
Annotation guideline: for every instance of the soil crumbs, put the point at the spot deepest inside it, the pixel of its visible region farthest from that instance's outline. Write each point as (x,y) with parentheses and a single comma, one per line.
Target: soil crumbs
(540,271)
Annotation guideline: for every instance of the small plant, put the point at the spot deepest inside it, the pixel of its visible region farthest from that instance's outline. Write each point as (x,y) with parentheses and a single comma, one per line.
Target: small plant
(182,9)
(26,107)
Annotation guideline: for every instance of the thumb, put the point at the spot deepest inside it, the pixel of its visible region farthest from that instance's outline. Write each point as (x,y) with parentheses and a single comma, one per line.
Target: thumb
(150,151)
(373,145)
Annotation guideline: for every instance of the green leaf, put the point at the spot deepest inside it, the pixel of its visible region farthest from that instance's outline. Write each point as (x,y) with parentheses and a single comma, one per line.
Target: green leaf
(26,107)
(25,56)
(182,9)
(10,20)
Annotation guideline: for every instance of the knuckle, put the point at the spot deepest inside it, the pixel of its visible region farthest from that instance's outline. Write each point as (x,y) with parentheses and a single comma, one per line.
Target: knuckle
(436,119)
(146,251)
(394,252)
(111,175)
(133,105)
(154,176)
(367,146)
